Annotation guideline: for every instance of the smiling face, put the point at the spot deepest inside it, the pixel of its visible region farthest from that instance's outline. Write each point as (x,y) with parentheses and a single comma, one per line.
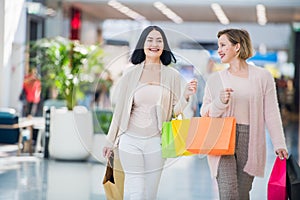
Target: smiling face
(154,45)
(226,50)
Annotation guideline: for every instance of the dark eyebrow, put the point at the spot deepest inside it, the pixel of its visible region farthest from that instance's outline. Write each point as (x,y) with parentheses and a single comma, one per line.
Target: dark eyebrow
(149,37)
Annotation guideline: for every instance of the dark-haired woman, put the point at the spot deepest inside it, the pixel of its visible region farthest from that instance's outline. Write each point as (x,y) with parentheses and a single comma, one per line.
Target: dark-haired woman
(148,94)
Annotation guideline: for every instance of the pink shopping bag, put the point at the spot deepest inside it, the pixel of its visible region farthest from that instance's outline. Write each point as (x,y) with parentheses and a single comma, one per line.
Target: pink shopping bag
(277,182)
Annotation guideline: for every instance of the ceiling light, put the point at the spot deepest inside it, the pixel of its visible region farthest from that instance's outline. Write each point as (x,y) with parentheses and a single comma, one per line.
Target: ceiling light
(168,12)
(220,13)
(126,11)
(261,14)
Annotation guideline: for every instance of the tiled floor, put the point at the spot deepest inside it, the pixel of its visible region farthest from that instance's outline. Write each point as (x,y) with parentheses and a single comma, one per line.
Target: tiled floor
(34,178)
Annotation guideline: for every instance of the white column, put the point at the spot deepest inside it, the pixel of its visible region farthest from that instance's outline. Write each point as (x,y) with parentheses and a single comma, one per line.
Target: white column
(88,33)
(2,47)
(12,52)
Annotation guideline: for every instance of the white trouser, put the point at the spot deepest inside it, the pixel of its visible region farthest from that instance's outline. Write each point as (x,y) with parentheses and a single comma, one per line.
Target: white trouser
(142,164)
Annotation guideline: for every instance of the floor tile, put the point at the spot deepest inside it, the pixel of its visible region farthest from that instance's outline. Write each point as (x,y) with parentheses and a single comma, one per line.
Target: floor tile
(35,178)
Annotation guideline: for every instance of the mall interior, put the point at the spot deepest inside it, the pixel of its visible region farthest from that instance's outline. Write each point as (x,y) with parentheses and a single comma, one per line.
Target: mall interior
(48,152)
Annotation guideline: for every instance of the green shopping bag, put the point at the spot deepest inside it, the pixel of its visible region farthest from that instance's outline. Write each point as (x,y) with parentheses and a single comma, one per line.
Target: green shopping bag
(174,135)
(167,141)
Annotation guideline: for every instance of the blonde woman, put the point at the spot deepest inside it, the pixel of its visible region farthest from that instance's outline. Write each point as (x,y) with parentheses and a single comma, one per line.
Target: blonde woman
(248,93)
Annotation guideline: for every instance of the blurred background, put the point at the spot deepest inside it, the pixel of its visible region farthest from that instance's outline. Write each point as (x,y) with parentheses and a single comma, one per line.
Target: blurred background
(62,56)
(191,27)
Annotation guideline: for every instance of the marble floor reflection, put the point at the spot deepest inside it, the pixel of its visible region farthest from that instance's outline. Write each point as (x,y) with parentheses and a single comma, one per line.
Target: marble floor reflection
(35,178)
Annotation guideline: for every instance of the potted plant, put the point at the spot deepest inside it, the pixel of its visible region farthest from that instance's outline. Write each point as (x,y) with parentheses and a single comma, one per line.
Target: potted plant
(70,67)
(67,65)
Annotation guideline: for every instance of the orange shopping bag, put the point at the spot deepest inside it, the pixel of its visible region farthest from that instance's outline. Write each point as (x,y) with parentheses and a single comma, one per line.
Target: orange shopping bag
(212,136)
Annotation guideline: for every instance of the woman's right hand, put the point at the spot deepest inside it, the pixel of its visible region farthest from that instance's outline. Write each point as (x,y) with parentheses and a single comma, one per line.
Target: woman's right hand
(190,89)
(225,95)
(107,152)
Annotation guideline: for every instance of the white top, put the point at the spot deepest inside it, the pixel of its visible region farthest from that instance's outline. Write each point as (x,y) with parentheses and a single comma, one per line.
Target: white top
(143,121)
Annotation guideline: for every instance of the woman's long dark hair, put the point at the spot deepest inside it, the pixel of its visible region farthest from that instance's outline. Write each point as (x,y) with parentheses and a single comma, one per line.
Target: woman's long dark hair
(138,55)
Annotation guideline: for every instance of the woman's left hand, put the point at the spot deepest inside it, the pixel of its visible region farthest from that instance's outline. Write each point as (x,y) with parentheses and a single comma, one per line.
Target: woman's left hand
(282,153)
(190,88)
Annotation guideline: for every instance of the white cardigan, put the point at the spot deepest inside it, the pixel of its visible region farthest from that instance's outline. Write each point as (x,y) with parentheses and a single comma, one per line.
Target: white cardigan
(172,99)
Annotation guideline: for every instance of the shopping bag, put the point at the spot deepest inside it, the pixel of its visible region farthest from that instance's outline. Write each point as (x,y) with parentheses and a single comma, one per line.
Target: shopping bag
(174,134)
(167,141)
(113,181)
(277,182)
(293,178)
(180,132)
(212,136)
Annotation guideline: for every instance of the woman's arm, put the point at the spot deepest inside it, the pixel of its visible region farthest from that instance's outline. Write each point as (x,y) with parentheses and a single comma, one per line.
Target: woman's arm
(212,105)
(272,114)
(189,90)
(117,96)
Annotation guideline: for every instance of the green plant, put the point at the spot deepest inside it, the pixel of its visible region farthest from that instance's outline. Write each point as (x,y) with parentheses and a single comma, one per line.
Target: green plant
(67,65)
(102,120)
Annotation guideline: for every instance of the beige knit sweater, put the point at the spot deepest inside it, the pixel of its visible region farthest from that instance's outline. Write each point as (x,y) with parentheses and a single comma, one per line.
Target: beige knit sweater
(264,113)
(172,99)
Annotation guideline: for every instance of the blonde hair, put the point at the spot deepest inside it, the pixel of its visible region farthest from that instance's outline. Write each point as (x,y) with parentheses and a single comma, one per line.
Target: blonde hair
(242,37)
